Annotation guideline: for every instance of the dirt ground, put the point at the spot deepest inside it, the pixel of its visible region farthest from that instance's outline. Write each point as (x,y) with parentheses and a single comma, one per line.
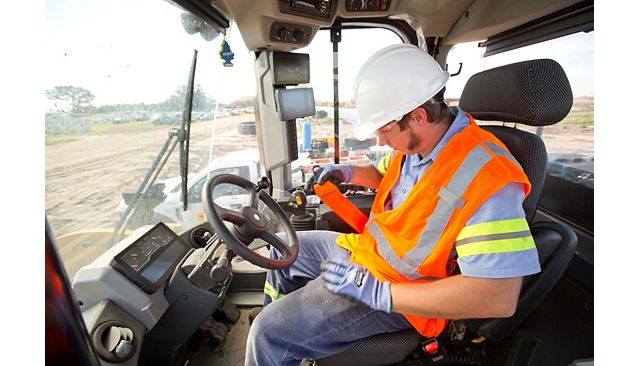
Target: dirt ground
(93,171)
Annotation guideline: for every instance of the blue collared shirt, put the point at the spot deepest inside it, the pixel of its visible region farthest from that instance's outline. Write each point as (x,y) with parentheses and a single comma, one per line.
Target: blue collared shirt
(504,205)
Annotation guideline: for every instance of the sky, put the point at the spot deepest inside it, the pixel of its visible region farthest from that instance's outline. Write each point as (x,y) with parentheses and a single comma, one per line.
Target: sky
(93,44)
(82,44)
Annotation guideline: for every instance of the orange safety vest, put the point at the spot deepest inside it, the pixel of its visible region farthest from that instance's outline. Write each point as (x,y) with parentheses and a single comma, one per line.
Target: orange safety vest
(413,242)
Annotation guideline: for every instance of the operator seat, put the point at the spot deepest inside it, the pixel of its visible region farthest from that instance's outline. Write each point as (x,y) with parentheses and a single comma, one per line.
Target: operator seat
(536,93)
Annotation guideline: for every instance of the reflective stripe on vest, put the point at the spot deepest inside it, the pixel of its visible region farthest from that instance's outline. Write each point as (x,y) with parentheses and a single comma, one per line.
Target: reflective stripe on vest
(494,237)
(502,152)
(383,164)
(450,199)
(272,292)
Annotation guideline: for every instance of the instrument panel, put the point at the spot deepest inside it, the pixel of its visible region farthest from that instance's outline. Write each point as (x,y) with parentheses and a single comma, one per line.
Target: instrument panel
(151,259)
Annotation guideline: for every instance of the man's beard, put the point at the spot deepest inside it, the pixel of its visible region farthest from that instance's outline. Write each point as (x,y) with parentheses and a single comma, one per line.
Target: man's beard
(414,140)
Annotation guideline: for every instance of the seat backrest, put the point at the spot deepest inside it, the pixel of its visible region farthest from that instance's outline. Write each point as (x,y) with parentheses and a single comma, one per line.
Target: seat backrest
(535,93)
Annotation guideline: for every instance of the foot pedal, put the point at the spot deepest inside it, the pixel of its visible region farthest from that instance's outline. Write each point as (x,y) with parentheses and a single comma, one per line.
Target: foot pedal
(230,311)
(217,331)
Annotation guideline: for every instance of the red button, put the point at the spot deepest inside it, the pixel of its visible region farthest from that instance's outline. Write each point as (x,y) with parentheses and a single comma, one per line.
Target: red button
(431,348)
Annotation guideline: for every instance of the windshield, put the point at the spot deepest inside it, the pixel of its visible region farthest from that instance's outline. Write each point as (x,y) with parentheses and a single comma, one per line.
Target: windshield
(115,87)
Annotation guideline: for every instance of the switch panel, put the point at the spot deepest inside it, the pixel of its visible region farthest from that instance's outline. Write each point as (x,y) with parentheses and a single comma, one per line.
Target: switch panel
(289,33)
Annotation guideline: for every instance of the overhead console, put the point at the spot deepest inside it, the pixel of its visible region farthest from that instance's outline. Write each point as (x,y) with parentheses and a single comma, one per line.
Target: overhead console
(326,9)
(288,25)
(297,33)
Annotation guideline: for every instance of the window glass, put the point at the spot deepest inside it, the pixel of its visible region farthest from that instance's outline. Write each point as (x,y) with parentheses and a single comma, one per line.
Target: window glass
(315,134)
(115,82)
(574,53)
(226,189)
(569,143)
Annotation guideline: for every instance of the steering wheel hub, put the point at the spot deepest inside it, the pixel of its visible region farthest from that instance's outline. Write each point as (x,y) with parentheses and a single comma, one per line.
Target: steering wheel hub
(254,218)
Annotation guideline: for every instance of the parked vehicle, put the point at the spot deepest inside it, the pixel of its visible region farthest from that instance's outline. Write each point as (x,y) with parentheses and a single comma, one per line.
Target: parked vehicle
(169,208)
(164,118)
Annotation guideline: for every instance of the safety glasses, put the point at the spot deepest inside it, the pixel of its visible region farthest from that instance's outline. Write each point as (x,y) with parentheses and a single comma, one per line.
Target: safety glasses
(384,130)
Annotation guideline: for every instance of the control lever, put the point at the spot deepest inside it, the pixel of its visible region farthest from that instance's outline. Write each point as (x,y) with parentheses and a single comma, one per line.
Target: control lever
(207,237)
(298,202)
(203,272)
(301,218)
(221,271)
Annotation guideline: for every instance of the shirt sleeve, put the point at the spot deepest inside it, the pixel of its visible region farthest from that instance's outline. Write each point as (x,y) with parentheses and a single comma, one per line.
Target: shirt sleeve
(496,242)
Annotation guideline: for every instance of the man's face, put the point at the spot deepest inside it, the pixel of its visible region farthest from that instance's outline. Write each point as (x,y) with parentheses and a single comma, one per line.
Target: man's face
(407,141)
(420,135)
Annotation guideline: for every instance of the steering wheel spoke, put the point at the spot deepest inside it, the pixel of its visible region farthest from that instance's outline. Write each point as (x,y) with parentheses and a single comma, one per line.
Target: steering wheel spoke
(229,215)
(278,243)
(255,199)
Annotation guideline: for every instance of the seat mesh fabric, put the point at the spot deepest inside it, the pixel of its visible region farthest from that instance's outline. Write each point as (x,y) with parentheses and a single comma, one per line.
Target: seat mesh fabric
(535,92)
(380,349)
(531,153)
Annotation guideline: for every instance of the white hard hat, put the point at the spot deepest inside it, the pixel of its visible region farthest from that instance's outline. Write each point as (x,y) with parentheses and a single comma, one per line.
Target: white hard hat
(393,82)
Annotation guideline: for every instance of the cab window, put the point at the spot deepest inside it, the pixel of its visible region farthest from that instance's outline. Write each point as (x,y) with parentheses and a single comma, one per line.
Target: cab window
(568,190)
(316,133)
(195,192)
(112,94)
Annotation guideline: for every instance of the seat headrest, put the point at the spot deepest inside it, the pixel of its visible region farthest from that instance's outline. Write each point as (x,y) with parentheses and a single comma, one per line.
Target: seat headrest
(535,92)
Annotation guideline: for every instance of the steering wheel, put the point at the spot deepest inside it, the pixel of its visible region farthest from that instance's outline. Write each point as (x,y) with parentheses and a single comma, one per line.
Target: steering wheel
(250,224)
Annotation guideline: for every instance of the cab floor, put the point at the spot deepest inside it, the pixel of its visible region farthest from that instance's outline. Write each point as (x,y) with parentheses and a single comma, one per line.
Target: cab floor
(230,352)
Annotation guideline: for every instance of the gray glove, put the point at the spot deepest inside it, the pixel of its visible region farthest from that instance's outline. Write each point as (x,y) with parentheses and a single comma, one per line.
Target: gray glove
(342,277)
(336,174)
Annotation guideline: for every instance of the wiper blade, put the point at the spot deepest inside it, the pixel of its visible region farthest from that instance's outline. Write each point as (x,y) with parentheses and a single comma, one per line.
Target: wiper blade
(176,136)
(186,127)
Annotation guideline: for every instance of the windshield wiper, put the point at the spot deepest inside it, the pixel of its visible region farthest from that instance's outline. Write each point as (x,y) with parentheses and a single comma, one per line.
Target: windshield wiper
(176,135)
(186,128)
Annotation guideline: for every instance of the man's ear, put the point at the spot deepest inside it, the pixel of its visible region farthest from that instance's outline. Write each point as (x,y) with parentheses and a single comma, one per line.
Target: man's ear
(420,115)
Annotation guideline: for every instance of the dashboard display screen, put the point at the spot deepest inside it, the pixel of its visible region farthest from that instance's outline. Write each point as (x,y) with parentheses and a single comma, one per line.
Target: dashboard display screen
(151,258)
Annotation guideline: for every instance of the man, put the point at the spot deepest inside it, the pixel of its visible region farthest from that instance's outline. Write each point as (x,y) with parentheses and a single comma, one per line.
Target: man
(450,190)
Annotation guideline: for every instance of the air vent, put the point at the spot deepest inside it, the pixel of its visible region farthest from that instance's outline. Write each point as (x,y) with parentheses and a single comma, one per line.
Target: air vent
(114,342)
(199,236)
(117,340)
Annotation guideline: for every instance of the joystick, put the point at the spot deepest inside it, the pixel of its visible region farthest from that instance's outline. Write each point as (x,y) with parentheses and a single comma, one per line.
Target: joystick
(301,219)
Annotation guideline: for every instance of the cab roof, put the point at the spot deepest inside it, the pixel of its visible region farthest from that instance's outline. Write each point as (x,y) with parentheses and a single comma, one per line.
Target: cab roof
(287,25)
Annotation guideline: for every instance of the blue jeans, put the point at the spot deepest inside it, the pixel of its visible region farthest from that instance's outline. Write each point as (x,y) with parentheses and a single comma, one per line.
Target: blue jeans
(311,322)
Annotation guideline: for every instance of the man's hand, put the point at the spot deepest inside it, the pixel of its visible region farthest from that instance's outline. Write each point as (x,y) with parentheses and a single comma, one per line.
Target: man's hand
(336,174)
(345,278)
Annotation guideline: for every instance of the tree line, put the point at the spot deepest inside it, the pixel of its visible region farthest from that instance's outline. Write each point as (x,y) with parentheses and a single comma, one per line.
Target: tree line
(74,99)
